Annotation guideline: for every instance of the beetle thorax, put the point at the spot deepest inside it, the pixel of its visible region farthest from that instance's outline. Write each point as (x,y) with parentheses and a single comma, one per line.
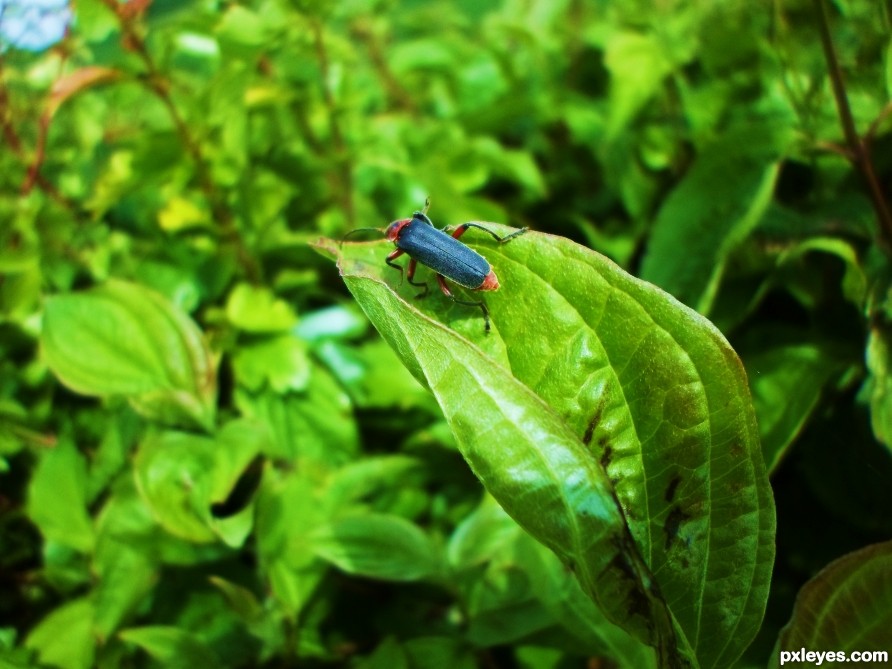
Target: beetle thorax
(395,228)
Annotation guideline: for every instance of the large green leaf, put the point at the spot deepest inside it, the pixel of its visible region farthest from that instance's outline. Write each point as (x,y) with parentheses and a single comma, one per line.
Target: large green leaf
(123,339)
(717,204)
(614,424)
(846,607)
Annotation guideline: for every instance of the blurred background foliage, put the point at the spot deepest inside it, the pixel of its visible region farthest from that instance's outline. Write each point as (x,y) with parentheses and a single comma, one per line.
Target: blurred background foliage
(181,153)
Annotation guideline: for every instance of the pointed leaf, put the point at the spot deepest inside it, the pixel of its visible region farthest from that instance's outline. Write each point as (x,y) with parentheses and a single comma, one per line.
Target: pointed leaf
(57,498)
(183,476)
(378,546)
(172,647)
(878,387)
(846,607)
(64,638)
(637,64)
(717,203)
(641,468)
(123,339)
(79,80)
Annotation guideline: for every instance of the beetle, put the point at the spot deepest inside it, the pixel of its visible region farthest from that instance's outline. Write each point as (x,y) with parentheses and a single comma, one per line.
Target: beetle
(442,251)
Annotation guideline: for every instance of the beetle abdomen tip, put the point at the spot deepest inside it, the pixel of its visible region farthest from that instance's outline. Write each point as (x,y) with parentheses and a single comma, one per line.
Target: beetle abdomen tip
(490,282)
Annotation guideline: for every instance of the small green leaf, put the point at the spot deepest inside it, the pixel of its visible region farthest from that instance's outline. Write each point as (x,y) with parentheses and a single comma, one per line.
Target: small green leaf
(854,281)
(57,497)
(787,382)
(242,601)
(125,571)
(879,383)
(637,64)
(242,27)
(314,425)
(613,423)
(182,476)
(360,478)
(281,361)
(717,203)
(388,655)
(123,339)
(288,511)
(64,639)
(257,309)
(846,607)
(389,548)
(172,647)
(480,536)
(440,652)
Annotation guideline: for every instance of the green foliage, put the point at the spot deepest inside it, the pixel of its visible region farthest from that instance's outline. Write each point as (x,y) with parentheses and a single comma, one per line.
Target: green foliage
(847,605)
(646,458)
(215,452)
(121,339)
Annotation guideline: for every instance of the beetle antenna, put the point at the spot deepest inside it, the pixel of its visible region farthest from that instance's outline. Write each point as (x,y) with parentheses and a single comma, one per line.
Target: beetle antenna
(427,205)
(352,232)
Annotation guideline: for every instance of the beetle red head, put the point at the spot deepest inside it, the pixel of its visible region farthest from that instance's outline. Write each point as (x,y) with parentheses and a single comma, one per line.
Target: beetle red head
(394,229)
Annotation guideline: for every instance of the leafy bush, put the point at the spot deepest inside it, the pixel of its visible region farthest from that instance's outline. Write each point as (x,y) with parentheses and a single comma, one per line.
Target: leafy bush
(209,458)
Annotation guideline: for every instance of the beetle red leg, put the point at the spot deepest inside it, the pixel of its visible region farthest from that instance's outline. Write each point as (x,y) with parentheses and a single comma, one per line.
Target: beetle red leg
(410,274)
(448,293)
(393,256)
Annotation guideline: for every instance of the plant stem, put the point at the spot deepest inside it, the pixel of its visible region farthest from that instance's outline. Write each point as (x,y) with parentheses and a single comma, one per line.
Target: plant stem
(156,83)
(859,149)
(342,158)
(14,142)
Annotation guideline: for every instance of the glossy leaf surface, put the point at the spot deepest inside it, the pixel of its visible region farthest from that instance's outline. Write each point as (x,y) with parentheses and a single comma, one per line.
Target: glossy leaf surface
(614,424)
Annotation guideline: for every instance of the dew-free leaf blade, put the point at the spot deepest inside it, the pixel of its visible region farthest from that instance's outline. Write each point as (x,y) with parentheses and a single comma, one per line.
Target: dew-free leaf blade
(532,464)
(787,381)
(57,500)
(378,546)
(183,477)
(846,607)
(123,339)
(718,202)
(64,637)
(644,402)
(172,647)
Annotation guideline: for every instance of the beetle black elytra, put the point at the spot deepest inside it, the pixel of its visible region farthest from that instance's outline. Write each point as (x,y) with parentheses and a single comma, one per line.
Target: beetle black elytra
(417,238)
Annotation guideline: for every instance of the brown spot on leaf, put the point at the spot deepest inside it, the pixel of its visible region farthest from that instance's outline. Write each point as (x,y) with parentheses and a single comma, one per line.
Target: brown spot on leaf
(672,488)
(673,524)
(593,423)
(736,449)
